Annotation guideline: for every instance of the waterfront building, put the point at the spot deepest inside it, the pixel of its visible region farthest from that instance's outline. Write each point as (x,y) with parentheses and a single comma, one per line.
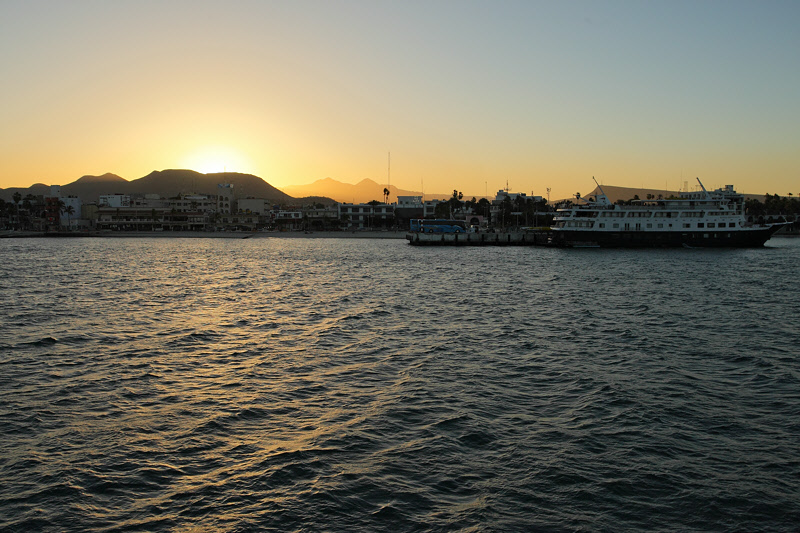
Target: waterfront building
(114,200)
(408,208)
(226,203)
(193,203)
(61,211)
(364,216)
(257,206)
(288,219)
(321,217)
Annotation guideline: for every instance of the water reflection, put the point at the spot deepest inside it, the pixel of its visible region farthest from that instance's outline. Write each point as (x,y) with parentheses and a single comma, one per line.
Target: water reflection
(351,384)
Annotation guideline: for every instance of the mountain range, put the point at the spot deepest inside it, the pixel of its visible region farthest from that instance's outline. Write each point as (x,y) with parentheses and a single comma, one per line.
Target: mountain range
(168,183)
(364,191)
(171,183)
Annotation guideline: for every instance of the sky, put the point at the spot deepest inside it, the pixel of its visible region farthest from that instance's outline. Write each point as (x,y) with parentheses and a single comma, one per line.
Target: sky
(473,96)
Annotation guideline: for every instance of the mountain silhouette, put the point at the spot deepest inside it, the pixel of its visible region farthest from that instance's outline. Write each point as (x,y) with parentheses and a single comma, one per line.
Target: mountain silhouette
(168,183)
(36,189)
(364,191)
(86,186)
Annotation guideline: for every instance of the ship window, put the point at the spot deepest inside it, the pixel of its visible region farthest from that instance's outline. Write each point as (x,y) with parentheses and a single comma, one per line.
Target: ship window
(602,225)
(687,225)
(701,225)
(649,225)
(661,225)
(710,224)
(616,225)
(731,224)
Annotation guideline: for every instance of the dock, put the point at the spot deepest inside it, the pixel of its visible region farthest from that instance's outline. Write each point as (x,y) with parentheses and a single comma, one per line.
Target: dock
(508,238)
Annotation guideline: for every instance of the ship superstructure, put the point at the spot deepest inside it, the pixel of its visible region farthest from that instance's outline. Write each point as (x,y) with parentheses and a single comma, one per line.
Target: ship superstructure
(692,219)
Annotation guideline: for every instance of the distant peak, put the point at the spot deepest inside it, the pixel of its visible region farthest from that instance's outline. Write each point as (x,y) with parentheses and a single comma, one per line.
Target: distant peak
(108,176)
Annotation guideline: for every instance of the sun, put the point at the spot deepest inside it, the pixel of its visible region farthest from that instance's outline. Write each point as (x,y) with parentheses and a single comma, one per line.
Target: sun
(214,159)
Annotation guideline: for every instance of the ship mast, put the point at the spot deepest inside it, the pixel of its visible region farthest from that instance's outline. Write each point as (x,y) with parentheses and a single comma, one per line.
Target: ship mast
(601,198)
(599,187)
(703,187)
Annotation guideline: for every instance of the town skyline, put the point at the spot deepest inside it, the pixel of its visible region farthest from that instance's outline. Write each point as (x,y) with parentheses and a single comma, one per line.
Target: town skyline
(183,182)
(466,95)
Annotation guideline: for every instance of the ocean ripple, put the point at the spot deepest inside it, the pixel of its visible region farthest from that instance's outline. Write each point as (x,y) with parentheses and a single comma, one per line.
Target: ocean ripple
(360,385)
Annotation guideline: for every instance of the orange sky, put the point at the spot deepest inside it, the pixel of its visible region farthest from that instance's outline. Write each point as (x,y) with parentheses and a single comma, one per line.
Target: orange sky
(466,95)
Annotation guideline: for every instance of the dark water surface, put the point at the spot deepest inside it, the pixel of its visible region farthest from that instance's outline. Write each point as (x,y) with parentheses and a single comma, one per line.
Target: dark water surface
(366,385)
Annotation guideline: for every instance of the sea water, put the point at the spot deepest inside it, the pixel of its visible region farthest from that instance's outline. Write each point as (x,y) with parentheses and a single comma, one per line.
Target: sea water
(368,385)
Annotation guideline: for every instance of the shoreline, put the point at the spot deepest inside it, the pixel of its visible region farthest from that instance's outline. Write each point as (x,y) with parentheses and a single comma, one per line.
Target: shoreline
(210,234)
(232,235)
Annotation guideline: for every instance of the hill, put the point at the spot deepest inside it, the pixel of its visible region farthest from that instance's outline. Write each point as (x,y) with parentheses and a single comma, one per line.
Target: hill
(168,183)
(615,193)
(364,191)
(36,189)
(86,186)
(628,193)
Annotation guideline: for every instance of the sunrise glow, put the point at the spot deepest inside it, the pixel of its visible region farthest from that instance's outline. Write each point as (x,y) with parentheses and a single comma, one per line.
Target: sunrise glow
(549,95)
(214,159)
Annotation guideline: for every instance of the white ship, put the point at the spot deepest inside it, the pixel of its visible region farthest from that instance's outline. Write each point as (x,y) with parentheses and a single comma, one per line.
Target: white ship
(693,219)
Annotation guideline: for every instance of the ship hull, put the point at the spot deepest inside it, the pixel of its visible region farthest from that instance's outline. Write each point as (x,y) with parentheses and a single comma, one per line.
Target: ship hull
(740,238)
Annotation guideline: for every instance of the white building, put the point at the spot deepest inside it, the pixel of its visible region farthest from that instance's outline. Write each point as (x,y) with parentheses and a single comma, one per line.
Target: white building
(409,202)
(193,203)
(72,212)
(257,206)
(288,219)
(366,215)
(225,199)
(114,200)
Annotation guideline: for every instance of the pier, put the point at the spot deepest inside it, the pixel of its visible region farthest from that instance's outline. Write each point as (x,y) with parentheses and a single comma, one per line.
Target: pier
(508,238)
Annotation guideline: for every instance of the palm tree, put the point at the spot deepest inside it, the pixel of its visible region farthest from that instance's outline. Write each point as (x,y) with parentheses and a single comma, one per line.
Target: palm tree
(61,207)
(17,197)
(455,202)
(69,210)
(27,207)
(484,205)
(385,195)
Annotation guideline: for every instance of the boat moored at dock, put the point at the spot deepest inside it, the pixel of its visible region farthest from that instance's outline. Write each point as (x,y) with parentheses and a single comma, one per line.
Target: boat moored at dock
(692,219)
